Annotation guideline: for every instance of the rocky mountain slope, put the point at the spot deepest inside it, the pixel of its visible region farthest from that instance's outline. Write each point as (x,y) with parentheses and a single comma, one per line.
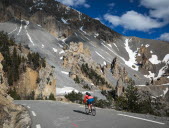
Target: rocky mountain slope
(48,27)
(11,115)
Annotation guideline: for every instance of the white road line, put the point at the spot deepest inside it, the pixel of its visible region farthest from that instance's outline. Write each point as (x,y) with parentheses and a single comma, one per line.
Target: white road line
(38,126)
(28,106)
(141,119)
(33,113)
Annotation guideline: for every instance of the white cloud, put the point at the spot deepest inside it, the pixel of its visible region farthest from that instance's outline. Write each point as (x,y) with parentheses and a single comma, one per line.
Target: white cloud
(75,3)
(164,36)
(160,13)
(154,4)
(133,21)
(158,8)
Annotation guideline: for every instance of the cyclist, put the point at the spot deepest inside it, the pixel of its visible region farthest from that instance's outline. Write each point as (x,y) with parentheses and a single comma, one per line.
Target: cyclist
(89,100)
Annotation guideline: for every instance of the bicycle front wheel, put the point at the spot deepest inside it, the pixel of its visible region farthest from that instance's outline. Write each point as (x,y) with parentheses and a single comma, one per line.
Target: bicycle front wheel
(86,109)
(93,111)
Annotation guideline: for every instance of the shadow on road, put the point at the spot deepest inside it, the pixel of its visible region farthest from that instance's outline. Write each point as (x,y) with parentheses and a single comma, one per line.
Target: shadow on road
(78,111)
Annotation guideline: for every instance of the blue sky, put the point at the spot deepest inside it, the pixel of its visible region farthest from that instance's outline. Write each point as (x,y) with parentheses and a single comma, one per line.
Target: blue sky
(141,18)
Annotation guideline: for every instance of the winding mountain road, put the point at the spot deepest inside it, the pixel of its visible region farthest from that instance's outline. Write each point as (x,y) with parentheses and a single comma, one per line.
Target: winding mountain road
(54,114)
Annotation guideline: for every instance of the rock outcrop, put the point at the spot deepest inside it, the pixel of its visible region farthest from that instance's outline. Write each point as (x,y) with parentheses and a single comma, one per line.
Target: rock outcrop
(82,68)
(143,56)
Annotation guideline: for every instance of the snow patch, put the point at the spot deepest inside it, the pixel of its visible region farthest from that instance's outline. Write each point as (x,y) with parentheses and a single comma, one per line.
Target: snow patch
(64,21)
(60,45)
(111,50)
(75,34)
(102,56)
(166,58)
(147,45)
(64,40)
(65,90)
(61,57)
(39,25)
(42,46)
(141,85)
(13,30)
(99,55)
(55,50)
(109,45)
(139,54)
(151,75)
(29,37)
(92,44)
(67,73)
(132,56)
(62,51)
(151,51)
(20,28)
(165,91)
(96,35)
(81,28)
(166,84)
(104,63)
(162,70)
(154,59)
(116,46)
(27,23)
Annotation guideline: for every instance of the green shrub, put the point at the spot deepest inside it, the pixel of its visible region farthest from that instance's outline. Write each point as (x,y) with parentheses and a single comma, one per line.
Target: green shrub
(14,94)
(75,97)
(130,100)
(102,103)
(121,103)
(77,80)
(132,97)
(92,74)
(52,97)
(86,87)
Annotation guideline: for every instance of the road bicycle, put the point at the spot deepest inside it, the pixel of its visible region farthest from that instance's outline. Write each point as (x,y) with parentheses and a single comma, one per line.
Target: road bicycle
(93,109)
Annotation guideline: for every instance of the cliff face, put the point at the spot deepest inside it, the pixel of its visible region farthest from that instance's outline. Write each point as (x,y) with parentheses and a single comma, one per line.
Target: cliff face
(10,114)
(28,75)
(36,84)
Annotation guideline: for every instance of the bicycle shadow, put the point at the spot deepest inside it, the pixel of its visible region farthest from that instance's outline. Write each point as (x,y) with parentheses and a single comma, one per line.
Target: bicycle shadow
(79,111)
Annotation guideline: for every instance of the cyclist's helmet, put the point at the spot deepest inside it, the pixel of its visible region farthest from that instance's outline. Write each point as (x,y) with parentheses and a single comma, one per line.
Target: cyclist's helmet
(87,93)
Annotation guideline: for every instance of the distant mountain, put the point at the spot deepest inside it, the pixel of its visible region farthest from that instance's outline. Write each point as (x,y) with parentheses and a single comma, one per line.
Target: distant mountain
(48,27)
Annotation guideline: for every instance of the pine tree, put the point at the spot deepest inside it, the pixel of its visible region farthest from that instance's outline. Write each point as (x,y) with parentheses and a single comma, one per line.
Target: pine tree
(132,97)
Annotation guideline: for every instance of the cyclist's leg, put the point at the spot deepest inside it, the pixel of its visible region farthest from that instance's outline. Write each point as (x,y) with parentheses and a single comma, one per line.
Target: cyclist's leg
(92,100)
(88,104)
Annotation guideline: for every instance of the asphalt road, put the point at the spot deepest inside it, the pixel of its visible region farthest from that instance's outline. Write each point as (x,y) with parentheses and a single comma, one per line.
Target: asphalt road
(54,114)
